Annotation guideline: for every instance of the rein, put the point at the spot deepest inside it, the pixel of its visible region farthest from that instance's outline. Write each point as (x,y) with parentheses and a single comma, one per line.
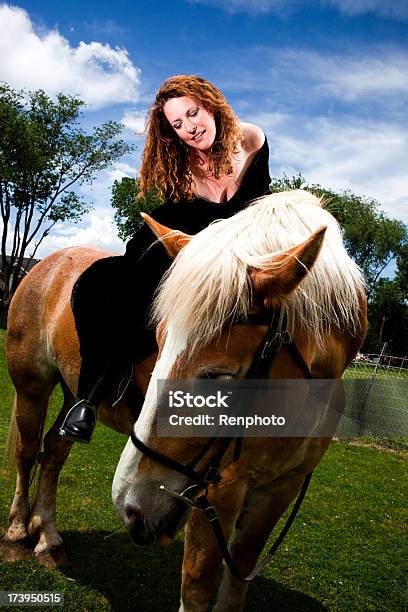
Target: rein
(262,362)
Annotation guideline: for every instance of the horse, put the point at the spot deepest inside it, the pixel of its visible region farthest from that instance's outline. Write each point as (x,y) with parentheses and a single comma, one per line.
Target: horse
(42,352)
(270,257)
(283,256)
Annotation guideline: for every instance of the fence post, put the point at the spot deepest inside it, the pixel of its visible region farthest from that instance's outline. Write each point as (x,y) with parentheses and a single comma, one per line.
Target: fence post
(363,412)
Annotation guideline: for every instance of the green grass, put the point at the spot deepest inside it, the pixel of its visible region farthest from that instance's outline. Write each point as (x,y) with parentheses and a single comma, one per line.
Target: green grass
(365,371)
(346,550)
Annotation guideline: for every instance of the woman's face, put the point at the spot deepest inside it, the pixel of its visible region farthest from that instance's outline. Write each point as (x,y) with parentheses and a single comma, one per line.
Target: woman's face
(191,121)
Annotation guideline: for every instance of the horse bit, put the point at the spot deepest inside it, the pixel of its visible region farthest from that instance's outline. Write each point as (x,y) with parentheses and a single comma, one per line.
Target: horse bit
(263,360)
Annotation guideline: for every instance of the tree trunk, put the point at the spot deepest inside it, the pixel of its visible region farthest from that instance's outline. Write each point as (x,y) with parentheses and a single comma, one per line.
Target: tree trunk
(3,314)
(380,335)
(5,299)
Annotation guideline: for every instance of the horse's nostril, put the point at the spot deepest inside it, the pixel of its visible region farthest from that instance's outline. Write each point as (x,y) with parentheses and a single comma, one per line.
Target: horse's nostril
(133,518)
(130,511)
(135,525)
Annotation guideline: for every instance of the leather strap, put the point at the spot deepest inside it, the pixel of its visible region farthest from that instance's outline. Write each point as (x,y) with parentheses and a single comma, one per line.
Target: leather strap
(210,512)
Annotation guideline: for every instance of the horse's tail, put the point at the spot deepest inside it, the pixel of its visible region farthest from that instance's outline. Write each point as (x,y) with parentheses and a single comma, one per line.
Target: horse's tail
(9,457)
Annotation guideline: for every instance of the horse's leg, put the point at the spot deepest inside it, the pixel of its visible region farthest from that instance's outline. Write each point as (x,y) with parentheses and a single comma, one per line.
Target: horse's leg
(201,564)
(262,510)
(28,417)
(49,550)
(202,557)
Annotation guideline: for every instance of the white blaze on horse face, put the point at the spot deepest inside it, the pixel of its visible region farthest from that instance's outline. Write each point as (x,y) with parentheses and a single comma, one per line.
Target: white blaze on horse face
(127,467)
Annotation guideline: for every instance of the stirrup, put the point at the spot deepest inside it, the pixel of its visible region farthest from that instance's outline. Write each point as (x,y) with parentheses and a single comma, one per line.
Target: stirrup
(79,422)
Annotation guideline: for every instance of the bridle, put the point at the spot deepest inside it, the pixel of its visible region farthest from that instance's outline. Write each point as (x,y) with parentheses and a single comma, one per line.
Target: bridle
(261,365)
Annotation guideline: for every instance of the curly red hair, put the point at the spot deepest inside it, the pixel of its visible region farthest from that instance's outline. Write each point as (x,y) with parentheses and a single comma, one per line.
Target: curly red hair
(166,159)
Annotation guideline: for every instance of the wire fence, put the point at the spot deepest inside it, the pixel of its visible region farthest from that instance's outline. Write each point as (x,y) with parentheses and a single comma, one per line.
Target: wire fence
(386,362)
(376,387)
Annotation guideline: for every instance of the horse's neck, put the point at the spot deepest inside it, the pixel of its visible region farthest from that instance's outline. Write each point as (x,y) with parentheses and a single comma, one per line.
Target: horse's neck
(143,371)
(330,360)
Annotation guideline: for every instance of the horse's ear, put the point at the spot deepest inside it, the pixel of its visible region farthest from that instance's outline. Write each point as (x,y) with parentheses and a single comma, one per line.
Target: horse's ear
(173,240)
(280,276)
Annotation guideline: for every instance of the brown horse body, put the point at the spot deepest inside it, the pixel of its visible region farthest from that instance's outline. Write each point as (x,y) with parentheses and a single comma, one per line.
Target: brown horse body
(255,490)
(42,351)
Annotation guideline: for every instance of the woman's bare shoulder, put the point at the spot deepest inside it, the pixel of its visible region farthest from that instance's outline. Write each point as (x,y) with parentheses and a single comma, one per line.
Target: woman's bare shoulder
(253,139)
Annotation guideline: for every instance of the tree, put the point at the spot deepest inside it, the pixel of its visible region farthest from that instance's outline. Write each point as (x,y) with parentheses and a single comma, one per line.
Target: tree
(388,316)
(43,153)
(128,206)
(401,276)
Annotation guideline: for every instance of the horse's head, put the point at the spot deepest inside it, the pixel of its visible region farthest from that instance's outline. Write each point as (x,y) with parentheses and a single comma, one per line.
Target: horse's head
(186,352)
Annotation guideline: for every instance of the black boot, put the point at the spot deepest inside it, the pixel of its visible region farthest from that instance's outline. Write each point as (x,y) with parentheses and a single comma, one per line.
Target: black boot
(94,380)
(79,422)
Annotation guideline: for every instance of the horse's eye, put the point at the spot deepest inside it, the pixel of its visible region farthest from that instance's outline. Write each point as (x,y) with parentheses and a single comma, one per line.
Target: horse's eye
(208,375)
(221,376)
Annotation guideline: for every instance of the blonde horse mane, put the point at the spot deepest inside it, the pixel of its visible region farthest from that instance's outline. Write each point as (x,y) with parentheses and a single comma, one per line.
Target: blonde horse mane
(208,282)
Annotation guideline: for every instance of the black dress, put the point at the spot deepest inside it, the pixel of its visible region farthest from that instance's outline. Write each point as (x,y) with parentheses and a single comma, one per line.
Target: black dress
(111,299)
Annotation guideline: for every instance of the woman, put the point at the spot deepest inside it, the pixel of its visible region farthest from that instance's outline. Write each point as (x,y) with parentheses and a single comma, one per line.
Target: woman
(205,165)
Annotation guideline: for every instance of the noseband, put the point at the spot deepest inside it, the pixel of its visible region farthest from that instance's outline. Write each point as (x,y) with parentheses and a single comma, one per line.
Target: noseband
(259,369)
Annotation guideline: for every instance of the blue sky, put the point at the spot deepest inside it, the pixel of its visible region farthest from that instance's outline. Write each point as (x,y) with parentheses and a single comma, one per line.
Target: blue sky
(327,80)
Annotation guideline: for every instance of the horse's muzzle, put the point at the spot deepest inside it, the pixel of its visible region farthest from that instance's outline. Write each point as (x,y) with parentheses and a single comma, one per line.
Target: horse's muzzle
(136,527)
(143,535)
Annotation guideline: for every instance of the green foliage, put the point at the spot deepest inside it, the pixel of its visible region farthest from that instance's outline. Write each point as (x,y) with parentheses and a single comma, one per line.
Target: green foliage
(128,206)
(286,183)
(69,207)
(43,153)
(388,317)
(402,270)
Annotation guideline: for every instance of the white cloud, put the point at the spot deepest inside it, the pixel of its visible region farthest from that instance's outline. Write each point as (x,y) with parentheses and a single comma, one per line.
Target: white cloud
(135,120)
(100,233)
(396,9)
(295,76)
(268,121)
(119,170)
(105,26)
(253,7)
(33,58)
(366,157)
(349,76)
